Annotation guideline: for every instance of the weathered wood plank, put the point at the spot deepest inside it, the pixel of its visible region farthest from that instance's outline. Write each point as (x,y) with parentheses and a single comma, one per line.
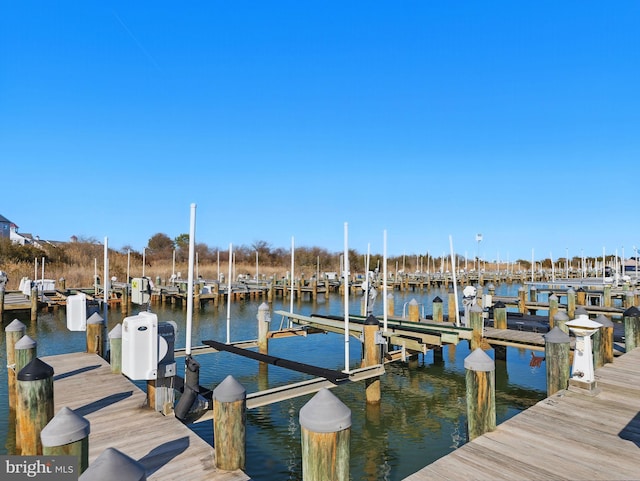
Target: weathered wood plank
(569,436)
(116,409)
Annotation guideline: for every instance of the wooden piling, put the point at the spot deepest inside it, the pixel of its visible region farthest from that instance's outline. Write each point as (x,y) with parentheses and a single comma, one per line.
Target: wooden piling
(631,328)
(522,300)
(95,325)
(476,322)
(390,304)
(500,315)
(451,311)
(372,357)
(264,321)
(115,349)
(414,311)
(581,297)
(553,309)
(556,349)
(67,434)
(25,352)
(13,333)
(34,407)
(34,304)
(438,315)
(229,424)
(603,342)
(560,320)
(325,424)
(480,393)
(571,303)
(607,295)
(1,302)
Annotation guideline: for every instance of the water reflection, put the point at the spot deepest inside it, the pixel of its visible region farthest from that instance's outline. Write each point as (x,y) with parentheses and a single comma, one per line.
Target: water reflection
(421,416)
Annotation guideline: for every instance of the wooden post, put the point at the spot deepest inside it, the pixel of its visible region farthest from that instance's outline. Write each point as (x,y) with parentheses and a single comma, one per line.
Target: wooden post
(571,303)
(113,464)
(264,321)
(553,309)
(67,434)
(13,333)
(556,353)
(372,357)
(607,295)
(34,407)
(25,352)
(390,304)
(229,424)
(115,349)
(603,342)
(438,315)
(476,322)
(500,315)
(628,300)
(34,304)
(451,311)
(325,424)
(414,311)
(481,393)
(560,320)
(581,297)
(522,300)
(95,325)
(631,328)
(124,303)
(533,294)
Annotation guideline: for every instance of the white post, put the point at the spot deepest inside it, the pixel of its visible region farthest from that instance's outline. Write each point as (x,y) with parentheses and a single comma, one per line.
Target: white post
(533,263)
(366,280)
(293,264)
(455,284)
(192,244)
(346,297)
(106,279)
(384,274)
(229,297)
(173,265)
(144,259)
(128,263)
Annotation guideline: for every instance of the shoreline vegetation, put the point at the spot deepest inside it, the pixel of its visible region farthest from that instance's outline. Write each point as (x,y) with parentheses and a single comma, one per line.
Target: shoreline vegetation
(79,261)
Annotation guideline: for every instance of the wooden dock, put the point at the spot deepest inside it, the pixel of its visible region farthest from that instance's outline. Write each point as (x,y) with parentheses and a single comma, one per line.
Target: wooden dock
(568,436)
(119,419)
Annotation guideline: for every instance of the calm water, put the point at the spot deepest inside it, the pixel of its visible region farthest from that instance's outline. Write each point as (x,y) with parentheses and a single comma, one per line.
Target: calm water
(421,417)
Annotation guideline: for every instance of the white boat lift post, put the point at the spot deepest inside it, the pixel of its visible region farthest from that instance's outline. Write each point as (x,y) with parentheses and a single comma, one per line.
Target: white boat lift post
(455,284)
(346,297)
(192,243)
(229,296)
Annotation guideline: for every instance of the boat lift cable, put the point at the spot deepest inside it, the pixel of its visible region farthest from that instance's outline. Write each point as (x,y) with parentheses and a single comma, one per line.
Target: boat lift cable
(334,376)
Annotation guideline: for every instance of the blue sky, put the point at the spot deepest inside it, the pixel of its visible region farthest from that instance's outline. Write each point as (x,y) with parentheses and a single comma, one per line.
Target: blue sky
(427,119)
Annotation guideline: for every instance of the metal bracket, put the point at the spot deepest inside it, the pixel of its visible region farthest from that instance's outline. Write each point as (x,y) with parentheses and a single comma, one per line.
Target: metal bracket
(380,339)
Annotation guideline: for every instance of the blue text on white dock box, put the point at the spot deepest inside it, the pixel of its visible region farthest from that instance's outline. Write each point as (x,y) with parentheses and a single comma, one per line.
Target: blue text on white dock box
(140,346)
(77,312)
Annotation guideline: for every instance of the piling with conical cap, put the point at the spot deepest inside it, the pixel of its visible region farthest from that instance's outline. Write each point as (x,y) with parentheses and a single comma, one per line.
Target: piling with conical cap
(603,342)
(631,328)
(556,353)
(95,325)
(34,407)
(476,322)
(553,309)
(560,321)
(500,315)
(229,424)
(14,331)
(414,310)
(114,465)
(480,393)
(67,434)
(372,357)
(115,349)
(437,305)
(325,434)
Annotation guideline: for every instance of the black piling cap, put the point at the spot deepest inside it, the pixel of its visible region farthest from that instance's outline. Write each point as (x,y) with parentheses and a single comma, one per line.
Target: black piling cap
(632,312)
(35,371)
(437,299)
(499,305)
(371,321)
(191,364)
(581,289)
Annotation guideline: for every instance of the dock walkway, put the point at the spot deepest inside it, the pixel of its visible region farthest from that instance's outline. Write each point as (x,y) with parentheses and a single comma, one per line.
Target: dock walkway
(115,408)
(568,436)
